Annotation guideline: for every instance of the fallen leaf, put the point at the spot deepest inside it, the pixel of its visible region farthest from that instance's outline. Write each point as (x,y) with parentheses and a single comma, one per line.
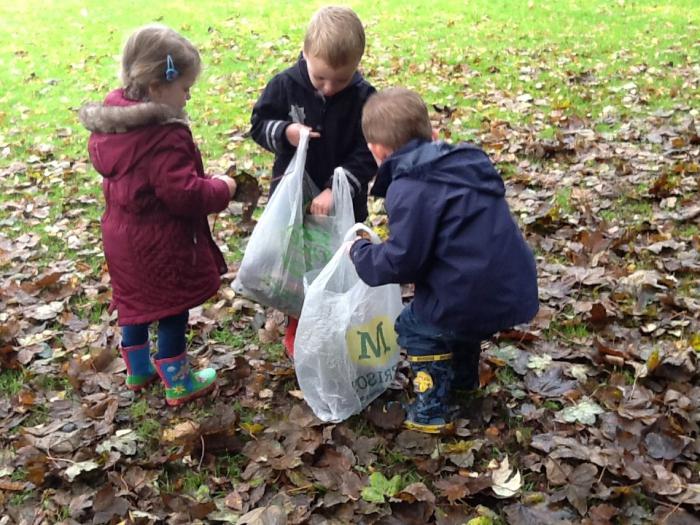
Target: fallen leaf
(506,481)
(78,468)
(584,412)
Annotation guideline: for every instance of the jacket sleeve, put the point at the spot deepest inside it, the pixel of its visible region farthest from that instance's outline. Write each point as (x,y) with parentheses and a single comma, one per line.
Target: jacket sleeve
(359,164)
(177,183)
(269,119)
(404,256)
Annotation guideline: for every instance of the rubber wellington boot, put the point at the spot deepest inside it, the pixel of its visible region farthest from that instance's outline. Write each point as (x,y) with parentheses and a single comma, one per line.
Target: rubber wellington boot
(139,368)
(290,335)
(466,367)
(430,411)
(181,384)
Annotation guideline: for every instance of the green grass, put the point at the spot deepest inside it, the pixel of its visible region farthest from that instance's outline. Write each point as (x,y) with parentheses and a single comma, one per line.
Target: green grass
(562,200)
(628,210)
(245,414)
(575,57)
(11,382)
(139,409)
(19,498)
(38,416)
(570,330)
(179,478)
(53,383)
(230,466)
(236,339)
(149,430)
(506,376)
(552,405)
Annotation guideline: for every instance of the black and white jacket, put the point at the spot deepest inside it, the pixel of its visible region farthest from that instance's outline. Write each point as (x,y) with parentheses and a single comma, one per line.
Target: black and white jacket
(290,97)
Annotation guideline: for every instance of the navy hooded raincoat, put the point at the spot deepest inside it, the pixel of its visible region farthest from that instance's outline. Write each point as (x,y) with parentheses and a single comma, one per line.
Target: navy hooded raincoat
(452,234)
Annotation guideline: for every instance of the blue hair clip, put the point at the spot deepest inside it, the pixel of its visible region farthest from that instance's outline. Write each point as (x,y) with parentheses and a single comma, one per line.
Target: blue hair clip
(170,72)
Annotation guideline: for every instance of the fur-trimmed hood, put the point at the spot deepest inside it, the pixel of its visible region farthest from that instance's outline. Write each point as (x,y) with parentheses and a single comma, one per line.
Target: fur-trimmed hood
(124,131)
(119,114)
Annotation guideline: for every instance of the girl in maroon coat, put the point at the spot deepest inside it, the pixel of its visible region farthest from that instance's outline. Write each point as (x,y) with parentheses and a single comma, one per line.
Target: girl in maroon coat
(161,256)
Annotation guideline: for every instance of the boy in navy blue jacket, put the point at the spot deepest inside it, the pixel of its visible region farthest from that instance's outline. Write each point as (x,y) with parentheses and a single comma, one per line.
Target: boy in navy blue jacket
(325,93)
(452,235)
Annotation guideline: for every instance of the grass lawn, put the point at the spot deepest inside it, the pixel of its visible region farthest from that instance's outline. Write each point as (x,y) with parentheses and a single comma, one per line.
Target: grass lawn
(483,63)
(576,56)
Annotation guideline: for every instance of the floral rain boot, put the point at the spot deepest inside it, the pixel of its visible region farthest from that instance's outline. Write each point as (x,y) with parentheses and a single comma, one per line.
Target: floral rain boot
(430,412)
(139,368)
(181,384)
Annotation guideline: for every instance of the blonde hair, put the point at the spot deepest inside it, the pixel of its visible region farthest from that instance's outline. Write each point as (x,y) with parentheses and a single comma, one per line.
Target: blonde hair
(145,58)
(336,36)
(395,116)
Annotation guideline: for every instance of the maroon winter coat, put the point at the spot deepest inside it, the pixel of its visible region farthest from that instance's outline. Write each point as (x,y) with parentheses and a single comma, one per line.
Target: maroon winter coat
(161,256)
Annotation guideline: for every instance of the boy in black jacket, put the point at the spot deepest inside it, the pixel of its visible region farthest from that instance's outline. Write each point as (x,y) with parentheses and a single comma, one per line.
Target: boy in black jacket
(451,233)
(325,93)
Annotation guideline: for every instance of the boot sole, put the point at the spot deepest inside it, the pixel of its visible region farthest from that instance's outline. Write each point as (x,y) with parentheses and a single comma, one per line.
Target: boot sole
(447,428)
(138,388)
(194,395)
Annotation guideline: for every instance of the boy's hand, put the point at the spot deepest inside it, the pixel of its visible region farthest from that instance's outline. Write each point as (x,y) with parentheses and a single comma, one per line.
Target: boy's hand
(293,131)
(323,203)
(229,182)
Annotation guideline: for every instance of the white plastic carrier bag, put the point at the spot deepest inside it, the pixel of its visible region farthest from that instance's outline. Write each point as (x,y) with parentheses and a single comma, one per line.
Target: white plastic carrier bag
(345,351)
(286,243)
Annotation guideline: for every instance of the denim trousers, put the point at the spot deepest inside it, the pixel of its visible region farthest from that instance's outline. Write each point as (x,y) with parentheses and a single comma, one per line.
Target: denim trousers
(171,335)
(419,338)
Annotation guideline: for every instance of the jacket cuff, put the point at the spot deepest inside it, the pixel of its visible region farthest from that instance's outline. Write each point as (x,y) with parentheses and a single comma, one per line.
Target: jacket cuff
(222,194)
(356,246)
(274,135)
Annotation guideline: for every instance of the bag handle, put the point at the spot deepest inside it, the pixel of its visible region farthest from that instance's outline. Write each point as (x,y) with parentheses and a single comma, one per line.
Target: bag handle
(352,233)
(300,155)
(342,201)
(304,134)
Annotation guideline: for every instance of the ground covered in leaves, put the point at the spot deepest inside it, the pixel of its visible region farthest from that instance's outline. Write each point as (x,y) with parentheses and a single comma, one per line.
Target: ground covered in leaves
(587,415)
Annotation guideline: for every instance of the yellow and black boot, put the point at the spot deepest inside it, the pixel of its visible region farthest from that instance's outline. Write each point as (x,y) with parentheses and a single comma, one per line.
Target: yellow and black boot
(432,382)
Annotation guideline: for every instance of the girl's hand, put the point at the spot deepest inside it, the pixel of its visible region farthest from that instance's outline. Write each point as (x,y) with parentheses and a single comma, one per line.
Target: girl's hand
(229,182)
(323,203)
(293,131)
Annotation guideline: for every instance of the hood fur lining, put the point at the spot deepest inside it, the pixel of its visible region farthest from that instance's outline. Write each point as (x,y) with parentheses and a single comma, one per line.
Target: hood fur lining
(99,118)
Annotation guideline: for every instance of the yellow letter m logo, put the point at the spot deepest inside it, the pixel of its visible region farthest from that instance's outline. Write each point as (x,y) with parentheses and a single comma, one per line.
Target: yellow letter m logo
(372,343)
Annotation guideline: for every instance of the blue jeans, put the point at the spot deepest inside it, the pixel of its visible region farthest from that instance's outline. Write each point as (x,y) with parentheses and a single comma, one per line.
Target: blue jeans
(419,338)
(171,335)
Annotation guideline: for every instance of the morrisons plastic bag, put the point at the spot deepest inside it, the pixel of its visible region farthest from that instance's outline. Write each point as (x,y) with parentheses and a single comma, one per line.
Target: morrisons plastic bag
(287,243)
(345,349)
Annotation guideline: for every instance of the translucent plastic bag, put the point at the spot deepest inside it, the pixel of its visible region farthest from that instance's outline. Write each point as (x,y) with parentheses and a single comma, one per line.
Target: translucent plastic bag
(286,243)
(345,351)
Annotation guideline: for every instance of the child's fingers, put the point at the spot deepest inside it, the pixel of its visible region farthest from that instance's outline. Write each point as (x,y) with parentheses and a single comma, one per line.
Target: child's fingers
(319,209)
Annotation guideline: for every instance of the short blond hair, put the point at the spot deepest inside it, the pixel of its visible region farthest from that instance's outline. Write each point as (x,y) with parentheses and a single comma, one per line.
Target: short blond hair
(145,58)
(336,36)
(395,116)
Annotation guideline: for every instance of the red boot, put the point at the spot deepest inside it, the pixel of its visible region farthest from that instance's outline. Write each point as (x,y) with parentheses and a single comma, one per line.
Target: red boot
(290,335)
